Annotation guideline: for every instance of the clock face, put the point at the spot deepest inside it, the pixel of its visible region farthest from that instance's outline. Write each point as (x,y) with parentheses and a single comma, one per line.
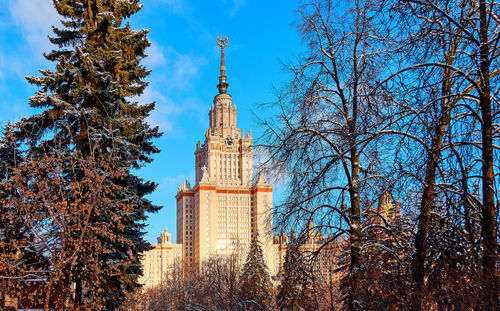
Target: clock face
(229,142)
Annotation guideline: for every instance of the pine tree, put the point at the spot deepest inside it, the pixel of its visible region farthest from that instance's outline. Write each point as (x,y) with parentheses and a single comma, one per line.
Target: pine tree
(87,108)
(255,283)
(296,289)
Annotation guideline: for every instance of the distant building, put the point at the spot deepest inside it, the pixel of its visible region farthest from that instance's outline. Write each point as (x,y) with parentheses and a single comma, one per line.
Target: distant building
(312,244)
(225,208)
(158,260)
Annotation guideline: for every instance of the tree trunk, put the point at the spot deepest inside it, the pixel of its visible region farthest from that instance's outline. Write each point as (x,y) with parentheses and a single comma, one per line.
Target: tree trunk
(418,270)
(488,232)
(46,303)
(427,202)
(355,267)
(78,295)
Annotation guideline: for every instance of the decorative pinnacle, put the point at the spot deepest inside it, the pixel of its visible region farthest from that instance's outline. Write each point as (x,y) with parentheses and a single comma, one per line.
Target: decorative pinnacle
(222,86)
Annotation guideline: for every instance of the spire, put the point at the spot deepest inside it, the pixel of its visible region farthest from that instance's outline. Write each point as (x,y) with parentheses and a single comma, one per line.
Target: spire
(222,86)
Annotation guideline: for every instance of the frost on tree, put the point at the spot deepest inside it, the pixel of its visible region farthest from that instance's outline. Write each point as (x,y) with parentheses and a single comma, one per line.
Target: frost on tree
(88,112)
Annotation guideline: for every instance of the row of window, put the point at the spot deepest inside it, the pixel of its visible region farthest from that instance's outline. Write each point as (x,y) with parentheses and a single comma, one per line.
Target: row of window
(242,215)
(224,218)
(233,198)
(242,225)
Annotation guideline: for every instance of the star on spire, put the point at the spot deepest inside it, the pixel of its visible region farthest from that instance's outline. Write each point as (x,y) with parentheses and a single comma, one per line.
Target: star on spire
(223,85)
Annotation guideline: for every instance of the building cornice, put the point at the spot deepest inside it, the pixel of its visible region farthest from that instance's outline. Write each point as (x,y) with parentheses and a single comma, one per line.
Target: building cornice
(197,188)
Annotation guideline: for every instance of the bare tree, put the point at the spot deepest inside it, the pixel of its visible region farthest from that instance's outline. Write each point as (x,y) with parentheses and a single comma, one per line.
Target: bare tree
(215,287)
(436,60)
(452,55)
(327,132)
(218,283)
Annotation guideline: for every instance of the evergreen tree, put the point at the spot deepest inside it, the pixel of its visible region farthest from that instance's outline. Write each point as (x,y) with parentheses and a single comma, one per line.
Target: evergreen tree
(255,282)
(386,282)
(296,289)
(87,108)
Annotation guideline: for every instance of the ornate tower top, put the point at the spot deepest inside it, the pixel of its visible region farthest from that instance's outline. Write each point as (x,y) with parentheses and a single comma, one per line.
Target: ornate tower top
(222,86)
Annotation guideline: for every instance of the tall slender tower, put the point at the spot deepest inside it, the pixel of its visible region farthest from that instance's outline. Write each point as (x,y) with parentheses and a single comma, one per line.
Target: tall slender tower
(224,209)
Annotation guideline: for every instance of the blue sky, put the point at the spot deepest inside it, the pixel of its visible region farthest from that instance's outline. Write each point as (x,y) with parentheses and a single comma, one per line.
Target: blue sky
(185,62)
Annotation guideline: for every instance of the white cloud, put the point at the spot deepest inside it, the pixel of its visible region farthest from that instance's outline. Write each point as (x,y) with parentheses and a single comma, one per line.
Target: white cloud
(165,109)
(274,171)
(12,66)
(155,56)
(177,70)
(170,115)
(164,115)
(36,18)
(33,19)
(172,71)
(185,68)
(169,182)
(197,107)
(173,180)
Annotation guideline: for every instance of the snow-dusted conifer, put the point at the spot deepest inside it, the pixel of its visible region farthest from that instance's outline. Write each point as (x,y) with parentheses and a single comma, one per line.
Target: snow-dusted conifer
(87,108)
(296,289)
(256,289)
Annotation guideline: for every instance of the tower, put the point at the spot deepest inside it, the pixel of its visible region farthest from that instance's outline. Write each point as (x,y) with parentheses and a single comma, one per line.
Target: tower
(224,209)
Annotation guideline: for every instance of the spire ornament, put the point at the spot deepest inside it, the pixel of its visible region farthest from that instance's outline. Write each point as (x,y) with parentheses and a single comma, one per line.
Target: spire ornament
(223,85)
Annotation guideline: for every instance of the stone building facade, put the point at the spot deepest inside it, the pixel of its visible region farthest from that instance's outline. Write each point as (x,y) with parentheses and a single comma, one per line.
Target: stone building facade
(224,209)
(160,259)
